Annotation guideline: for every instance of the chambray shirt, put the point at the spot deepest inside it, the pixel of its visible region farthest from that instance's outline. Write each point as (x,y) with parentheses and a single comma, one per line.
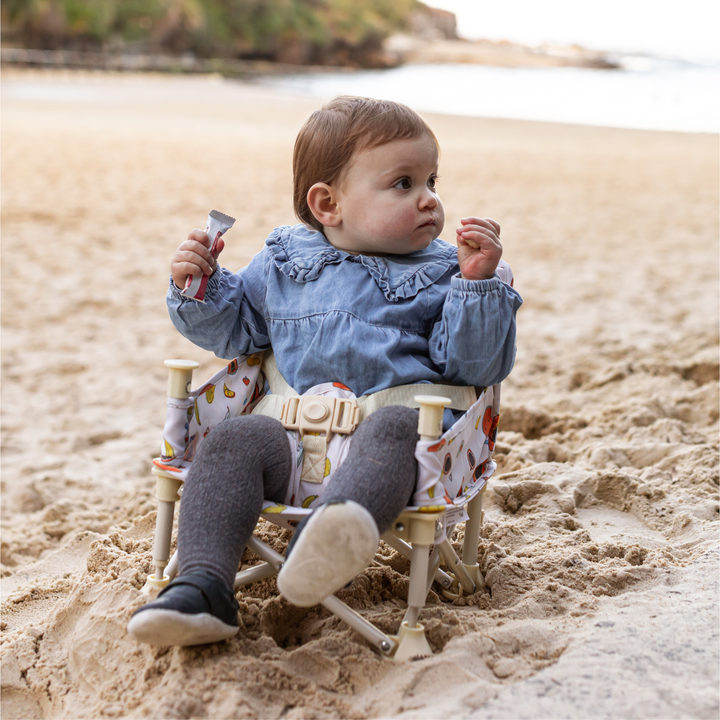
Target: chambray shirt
(368,322)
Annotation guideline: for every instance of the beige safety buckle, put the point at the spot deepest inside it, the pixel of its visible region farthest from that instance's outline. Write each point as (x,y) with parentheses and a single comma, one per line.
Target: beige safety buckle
(320,414)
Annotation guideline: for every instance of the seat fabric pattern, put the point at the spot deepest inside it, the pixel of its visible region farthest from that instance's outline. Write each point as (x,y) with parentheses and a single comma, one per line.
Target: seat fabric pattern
(451,470)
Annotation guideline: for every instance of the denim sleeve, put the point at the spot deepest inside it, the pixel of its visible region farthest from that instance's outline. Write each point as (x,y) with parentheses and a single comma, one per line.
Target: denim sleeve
(473,339)
(231,322)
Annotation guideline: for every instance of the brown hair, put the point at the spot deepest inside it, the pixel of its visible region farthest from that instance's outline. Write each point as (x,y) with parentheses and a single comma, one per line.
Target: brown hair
(332,135)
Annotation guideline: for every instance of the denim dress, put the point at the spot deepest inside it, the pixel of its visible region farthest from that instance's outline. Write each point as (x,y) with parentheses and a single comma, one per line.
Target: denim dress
(367,322)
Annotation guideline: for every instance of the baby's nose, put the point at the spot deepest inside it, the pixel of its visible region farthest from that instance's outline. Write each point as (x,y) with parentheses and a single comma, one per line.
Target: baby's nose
(428,199)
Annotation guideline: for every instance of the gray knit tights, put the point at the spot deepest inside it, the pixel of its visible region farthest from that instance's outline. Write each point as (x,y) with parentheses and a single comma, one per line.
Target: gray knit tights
(248,458)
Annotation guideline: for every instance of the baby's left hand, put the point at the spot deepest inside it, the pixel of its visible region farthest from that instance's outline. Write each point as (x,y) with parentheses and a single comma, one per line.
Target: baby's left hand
(479,248)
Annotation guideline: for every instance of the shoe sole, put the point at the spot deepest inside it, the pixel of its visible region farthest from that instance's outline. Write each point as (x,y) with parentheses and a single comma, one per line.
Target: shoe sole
(338,542)
(170,627)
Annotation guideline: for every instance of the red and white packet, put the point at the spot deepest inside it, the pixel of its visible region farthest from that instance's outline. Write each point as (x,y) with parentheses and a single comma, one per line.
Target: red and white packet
(217,225)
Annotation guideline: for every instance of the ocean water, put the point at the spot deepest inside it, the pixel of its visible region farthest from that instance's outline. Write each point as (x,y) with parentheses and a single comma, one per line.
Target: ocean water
(650,92)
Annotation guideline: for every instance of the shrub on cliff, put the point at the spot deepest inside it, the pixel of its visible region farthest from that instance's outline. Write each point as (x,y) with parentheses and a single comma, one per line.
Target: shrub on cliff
(345,32)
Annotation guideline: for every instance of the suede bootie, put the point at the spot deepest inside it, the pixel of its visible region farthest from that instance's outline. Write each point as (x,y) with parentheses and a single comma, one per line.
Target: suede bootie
(193,609)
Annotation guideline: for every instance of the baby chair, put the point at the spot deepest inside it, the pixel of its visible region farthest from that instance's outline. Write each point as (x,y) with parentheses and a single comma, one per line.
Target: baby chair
(453,469)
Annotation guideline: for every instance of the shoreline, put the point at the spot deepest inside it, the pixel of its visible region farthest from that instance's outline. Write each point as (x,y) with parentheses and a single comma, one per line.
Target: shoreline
(60,76)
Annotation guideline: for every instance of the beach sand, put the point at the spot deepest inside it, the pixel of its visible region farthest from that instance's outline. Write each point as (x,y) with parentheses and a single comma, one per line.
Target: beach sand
(600,543)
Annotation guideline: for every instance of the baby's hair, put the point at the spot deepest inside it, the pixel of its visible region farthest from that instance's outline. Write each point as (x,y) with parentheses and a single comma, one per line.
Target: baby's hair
(332,135)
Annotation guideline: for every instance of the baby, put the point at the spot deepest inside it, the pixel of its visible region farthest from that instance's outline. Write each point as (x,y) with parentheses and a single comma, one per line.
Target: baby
(362,293)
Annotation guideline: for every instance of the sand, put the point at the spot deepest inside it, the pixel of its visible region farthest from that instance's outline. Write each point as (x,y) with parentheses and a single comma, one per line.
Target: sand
(600,546)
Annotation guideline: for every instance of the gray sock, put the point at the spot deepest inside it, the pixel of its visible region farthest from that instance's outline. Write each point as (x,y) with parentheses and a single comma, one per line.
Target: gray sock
(247,459)
(380,469)
(240,462)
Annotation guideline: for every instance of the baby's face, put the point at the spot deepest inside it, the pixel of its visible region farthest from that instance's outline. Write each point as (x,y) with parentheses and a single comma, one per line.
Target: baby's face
(387,199)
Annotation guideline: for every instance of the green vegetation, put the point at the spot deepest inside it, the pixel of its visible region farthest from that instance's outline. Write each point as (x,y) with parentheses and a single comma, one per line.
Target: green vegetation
(340,32)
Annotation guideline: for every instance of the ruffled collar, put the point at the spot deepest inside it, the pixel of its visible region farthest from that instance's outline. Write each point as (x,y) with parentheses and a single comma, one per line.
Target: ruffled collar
(301,254)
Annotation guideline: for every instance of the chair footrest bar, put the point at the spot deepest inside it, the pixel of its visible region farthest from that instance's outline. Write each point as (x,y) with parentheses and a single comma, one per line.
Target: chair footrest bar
(253,574)
(172,566)
(384,643)
(271,557)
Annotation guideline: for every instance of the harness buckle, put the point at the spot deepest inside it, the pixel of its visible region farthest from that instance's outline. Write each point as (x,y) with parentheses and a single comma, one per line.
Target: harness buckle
(321,414)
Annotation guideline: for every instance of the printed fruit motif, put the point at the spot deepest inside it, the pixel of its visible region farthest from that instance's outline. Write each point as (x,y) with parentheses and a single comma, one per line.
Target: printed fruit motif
(197,413)
(462,445)
(168,451)
(431,492)
(327,467)
(246,380)
(431,508)
(308,501)
(233,367)
(493,432)
(437,446)
(341,386)
(228,392)
(253,360)
(209,392)
(275,509)
(447,464)
(487,421)
(479,470)
(471,459)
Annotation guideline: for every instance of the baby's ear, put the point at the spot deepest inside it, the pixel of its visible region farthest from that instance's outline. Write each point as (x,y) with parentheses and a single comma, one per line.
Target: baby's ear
(322,201)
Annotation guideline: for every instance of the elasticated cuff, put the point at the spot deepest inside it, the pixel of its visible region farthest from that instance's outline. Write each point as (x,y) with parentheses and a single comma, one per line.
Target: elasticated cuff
(475,286)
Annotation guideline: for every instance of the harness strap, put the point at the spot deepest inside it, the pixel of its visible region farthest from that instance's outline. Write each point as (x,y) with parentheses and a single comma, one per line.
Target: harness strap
(462,396)
(314,445)
(314,457)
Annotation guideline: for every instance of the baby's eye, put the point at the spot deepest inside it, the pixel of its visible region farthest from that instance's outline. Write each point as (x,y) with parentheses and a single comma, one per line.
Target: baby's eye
(403,184)
(432,182)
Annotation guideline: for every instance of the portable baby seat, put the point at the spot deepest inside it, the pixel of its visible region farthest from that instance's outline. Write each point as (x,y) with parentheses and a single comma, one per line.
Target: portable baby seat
(453,469)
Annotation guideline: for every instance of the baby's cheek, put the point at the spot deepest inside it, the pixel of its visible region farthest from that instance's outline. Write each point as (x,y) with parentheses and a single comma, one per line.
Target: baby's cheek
(401,222)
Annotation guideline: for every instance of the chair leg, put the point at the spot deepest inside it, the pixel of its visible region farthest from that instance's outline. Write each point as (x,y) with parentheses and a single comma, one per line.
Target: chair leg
(472,536)
(406,551)
(417,593)
(411,637)
(271,566)
(166,492)
(458,568)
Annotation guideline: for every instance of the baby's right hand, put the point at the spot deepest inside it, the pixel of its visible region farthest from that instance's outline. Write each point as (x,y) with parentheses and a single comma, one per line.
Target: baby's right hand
(193,257)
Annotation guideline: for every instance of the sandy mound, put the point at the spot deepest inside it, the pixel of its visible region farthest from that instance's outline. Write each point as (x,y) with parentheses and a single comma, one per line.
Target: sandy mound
(600,546)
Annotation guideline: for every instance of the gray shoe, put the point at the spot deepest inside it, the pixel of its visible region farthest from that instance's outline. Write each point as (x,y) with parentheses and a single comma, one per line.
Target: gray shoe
(338,542)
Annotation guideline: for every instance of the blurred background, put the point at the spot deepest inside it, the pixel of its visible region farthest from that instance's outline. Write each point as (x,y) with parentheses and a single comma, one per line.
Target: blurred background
(634,63)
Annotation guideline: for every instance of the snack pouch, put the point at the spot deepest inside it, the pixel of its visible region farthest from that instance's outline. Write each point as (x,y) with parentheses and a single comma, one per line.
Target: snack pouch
(217,225)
